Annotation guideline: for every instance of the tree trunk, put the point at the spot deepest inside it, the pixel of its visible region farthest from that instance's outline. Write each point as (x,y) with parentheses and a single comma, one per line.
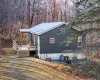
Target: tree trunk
(0,42)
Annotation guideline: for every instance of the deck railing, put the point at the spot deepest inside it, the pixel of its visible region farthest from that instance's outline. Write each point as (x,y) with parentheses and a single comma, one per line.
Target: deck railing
(15,45)
(22,47)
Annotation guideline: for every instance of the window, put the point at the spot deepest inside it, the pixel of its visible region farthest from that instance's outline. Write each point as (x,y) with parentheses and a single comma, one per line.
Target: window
(79,44)
(80,41)
(52,40)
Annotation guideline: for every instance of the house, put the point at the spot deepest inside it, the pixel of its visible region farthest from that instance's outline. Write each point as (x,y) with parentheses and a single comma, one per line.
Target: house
(47,40)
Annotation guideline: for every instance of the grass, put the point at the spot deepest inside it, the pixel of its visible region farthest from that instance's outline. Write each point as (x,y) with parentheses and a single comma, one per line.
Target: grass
(12,68)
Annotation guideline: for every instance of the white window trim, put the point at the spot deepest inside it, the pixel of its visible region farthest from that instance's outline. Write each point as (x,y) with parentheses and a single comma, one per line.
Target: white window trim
(52,40)
(79,41)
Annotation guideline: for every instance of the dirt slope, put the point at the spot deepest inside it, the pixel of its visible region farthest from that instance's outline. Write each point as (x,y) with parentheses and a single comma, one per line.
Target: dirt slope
(32,69)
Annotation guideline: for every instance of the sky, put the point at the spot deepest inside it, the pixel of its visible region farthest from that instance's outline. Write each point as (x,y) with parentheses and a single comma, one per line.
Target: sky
(69,2)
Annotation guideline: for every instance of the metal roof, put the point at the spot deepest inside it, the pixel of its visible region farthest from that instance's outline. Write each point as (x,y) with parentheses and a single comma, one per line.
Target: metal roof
(45,27)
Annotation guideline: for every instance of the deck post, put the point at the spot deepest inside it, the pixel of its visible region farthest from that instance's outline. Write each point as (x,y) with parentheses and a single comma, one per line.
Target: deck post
(38,46)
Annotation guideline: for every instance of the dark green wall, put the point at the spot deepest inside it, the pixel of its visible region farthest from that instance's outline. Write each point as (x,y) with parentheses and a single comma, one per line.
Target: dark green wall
(58,46)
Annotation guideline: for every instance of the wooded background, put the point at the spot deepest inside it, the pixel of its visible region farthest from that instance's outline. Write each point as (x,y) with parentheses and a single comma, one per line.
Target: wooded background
(16,14)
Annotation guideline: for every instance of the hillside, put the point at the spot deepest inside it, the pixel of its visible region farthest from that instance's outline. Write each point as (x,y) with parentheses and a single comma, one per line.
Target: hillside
(12,68)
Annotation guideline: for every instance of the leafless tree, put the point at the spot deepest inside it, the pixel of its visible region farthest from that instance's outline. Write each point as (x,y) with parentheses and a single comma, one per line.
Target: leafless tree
(15,14)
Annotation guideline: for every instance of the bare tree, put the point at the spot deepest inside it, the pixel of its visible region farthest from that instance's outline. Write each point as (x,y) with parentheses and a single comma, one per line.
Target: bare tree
(15,14)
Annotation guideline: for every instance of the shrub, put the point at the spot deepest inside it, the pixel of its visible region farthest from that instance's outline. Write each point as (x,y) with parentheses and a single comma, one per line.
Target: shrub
(74,57)
(61,58)
(36,56)
(67,68)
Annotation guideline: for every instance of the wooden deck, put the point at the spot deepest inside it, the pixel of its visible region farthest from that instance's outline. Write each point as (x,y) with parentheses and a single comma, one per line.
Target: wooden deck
(23,50)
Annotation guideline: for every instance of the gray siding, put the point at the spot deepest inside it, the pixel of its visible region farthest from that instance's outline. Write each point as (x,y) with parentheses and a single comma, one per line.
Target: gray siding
(58,46)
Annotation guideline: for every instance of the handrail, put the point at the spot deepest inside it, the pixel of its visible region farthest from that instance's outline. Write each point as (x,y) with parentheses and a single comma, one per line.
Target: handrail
(21,47)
